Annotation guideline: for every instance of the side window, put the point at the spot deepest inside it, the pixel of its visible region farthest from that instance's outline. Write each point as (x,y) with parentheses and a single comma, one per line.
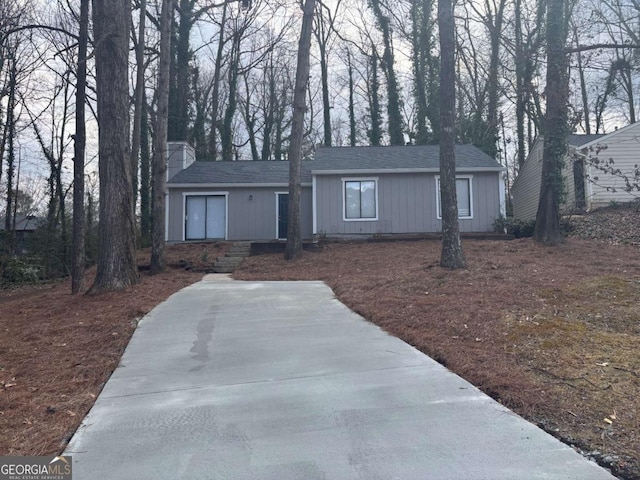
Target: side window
(464,195)
(360,198)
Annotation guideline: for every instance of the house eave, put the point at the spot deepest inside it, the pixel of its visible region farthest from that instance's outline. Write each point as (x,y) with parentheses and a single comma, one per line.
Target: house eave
(233,185)
(607,137)
(382,171)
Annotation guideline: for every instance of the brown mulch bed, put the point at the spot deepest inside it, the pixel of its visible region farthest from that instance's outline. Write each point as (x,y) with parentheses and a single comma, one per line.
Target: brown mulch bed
(57,350)
(616,224)
(552,333)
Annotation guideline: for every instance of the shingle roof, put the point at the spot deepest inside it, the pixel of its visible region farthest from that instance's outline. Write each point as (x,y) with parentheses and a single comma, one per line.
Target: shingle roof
(398,157)
(238,172)
(578,140)
(408,157)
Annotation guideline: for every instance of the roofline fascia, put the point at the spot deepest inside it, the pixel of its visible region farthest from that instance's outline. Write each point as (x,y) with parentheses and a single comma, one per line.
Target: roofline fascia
(381,171)
(606,136)
(233,185)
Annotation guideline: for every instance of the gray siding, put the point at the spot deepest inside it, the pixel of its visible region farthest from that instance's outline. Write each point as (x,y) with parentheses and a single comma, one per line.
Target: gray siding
(180,155)
(247,219)
(406,204)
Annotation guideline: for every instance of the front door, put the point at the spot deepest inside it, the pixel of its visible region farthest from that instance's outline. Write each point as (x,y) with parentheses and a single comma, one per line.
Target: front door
(283,213)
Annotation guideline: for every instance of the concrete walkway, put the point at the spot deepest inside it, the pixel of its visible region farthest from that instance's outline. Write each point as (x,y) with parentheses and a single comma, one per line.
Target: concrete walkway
(279,380)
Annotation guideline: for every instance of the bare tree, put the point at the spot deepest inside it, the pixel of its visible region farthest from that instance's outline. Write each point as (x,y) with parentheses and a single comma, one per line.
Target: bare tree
(394,102)
(294,233)
(452,255)
(138,96)
(77,239)
(159,167)
(117,267)
(324,27)
(547,230)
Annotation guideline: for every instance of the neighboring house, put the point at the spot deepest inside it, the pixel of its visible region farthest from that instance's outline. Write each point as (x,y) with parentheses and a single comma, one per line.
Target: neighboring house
(25,227)
(586,185)
(346,191)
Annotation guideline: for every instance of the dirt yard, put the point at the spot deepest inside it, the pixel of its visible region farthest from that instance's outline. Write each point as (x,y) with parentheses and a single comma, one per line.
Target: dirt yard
(552,333)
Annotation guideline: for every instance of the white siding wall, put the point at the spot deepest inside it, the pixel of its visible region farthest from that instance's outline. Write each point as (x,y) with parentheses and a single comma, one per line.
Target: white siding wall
(624,148)
(526,188)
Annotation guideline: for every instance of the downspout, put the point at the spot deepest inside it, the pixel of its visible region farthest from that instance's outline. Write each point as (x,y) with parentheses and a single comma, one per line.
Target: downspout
(166,216)
(503,196)
(314,205)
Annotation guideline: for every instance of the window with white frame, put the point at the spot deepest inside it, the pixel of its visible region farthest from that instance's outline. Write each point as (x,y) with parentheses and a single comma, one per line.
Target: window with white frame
(464,193)
(360,198)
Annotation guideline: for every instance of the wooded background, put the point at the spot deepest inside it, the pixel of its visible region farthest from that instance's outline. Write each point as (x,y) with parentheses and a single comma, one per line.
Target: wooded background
(374,80)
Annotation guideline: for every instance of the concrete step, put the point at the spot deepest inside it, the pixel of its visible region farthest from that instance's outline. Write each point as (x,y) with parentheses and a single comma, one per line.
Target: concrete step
(231,261)
(217,269)
(233,258)
(240,250)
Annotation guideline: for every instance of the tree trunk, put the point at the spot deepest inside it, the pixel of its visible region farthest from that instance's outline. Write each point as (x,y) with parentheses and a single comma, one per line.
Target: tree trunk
(326,104)
(421,39)
(375,134)
(396,135)
(493,84)
(179,107)
(137,99)
(269,113)
(583,87)
(77,242)
(145,172)
(10,137)
(452,255)
(520,94)
(294,233)
(215,100)
(226,131)
(547,230)
(117,267)
(159,166)
(625,73)
(352,110)
(321,38)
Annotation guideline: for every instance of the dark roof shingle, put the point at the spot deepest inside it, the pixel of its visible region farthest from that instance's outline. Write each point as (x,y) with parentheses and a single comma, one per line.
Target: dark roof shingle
(407,157)
(398,157)
(577,140)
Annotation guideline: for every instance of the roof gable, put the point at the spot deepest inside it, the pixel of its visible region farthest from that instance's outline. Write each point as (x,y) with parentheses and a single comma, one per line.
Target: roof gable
(607,137)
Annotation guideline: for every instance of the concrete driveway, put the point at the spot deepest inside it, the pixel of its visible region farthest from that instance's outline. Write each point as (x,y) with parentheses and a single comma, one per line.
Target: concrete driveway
(279,380)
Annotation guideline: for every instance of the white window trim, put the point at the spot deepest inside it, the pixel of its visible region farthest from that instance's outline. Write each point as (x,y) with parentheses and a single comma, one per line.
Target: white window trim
(439,209)
(344,199)
(278,213)
(205,194)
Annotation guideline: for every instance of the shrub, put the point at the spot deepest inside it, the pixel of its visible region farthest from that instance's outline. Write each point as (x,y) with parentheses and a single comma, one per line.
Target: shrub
(513,226)
(20,270)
